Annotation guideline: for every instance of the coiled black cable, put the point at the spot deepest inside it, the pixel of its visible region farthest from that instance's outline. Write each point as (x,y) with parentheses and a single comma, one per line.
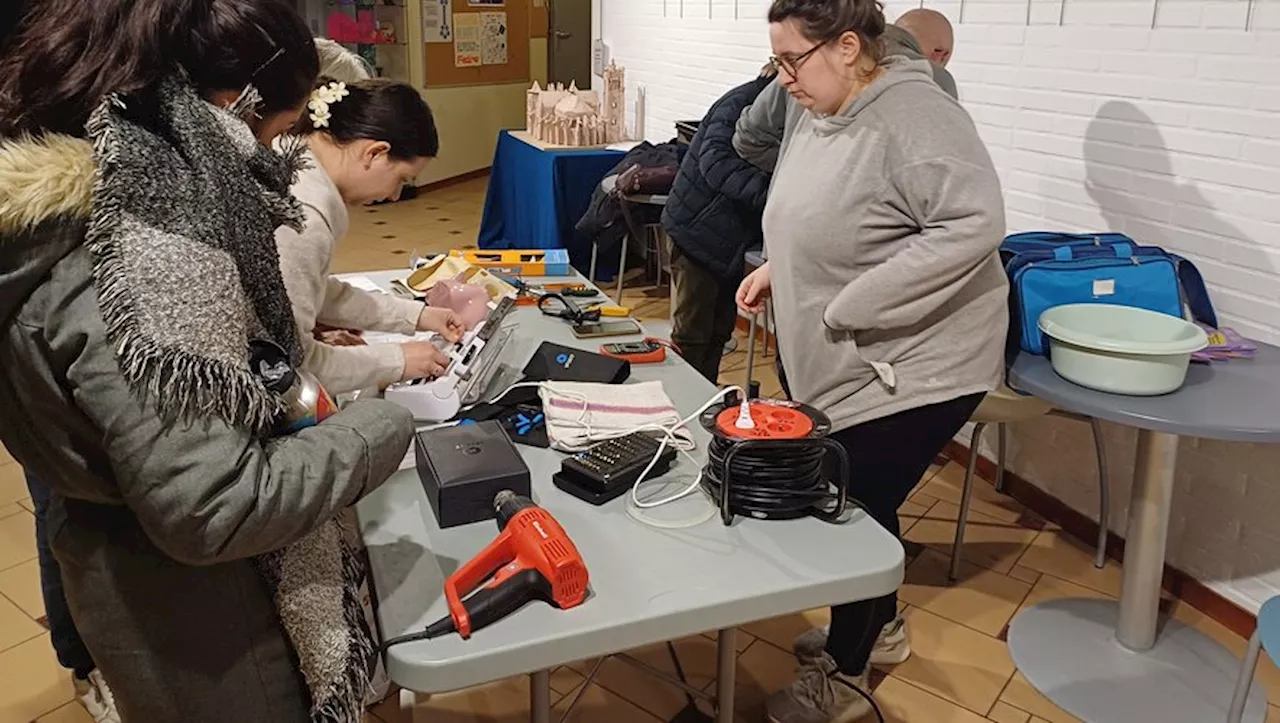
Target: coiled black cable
(777,479)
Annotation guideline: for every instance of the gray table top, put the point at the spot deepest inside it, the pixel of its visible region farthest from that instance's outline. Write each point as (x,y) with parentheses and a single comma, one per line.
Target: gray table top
(648,584)
(1237,401)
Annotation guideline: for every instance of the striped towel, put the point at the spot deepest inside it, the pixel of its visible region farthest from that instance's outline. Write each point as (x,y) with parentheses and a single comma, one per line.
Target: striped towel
(582,414)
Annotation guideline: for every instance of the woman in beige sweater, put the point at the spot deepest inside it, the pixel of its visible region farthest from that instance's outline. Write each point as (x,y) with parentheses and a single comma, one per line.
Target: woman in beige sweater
(365,140)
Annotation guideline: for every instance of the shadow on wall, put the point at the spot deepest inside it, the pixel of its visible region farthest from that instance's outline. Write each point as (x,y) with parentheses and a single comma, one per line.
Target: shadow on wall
(1124,150)
(1224,526)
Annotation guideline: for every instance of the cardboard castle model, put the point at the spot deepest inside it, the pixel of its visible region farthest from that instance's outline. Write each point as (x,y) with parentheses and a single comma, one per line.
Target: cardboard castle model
(572,117)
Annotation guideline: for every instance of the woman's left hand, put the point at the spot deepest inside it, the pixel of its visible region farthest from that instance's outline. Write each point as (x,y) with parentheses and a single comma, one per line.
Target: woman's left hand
(442,321)
(338,337)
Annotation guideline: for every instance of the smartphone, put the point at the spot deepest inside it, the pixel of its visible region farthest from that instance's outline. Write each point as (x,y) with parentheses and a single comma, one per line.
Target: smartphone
(630,347)
(620,327)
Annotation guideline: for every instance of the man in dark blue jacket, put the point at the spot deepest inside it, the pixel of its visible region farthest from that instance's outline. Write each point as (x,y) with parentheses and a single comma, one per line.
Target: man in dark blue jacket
(713,216)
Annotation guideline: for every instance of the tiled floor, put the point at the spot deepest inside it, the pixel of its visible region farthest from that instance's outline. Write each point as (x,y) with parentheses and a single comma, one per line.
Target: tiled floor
(961,671)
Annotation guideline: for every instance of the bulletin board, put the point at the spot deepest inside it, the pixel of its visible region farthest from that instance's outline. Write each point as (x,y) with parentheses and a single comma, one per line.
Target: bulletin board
(539,19)
(442,71)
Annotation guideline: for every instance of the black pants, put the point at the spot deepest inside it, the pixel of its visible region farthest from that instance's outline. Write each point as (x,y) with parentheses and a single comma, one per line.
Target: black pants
(887,459)
(70,649)
(703,313)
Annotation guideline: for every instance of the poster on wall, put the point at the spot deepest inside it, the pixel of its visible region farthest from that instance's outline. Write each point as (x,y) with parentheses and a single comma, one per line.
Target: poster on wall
(493,38)
(437,18)
(466,40)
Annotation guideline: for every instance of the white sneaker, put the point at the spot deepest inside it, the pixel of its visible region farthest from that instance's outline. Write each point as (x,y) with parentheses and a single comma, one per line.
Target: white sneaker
(95,696)
(892,646)
(821,694)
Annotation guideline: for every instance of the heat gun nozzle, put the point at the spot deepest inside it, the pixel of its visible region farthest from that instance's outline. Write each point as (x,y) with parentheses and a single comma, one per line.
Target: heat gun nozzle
(506,504)
(503,498)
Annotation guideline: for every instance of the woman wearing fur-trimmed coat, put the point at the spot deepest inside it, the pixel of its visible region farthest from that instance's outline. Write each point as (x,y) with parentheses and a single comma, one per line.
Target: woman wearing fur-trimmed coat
(200,551)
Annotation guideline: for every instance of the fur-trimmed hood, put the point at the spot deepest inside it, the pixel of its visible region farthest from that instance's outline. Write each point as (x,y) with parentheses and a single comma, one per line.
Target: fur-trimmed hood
(43,179)
(46,194)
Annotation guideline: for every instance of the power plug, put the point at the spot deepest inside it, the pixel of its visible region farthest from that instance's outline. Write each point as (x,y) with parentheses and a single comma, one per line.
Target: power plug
(744,416)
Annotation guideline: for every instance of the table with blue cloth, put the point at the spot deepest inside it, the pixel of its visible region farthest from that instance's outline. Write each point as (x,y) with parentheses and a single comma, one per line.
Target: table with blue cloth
(536,196)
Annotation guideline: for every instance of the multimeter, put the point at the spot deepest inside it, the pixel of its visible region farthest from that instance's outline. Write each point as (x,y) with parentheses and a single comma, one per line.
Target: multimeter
(649,351)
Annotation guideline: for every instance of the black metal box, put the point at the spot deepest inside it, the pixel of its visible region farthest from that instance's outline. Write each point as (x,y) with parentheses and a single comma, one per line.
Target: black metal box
(464,467)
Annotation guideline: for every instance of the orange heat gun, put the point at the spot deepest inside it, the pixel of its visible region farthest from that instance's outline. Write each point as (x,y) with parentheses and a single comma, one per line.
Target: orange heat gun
(532,559)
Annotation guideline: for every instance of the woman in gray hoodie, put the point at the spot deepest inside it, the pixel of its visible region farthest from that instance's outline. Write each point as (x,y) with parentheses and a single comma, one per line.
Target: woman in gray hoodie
(881,230)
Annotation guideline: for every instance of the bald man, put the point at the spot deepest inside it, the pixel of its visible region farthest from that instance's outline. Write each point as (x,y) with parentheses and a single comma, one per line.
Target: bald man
(933,38)
(761,126)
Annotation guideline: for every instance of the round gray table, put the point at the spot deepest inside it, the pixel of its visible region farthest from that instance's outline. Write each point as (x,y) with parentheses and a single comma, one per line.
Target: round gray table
(1107,662)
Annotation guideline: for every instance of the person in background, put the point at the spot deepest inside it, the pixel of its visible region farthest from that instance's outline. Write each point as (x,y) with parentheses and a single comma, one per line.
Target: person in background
(340,64)
(91,689)
(713,216)
(881,230)
(199,549)
(925,33)
(365,140)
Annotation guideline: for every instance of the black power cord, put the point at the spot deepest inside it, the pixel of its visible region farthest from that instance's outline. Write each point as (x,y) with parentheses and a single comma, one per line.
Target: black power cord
(777,479)
(861,692)
(441,627)
(564,308)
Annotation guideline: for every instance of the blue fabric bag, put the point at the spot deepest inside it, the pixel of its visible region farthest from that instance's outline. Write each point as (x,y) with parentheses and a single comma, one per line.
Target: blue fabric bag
(1195,296)
(1048,270)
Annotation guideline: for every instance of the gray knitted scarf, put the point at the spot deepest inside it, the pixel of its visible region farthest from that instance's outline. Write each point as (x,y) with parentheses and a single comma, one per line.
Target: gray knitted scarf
(182,230)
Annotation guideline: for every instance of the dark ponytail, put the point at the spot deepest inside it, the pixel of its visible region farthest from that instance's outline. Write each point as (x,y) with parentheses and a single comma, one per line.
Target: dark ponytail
(10,18)
(69,54)
(381,110)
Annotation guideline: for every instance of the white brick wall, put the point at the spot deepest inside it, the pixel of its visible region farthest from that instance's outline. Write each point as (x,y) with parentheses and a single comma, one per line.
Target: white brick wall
(1160,118)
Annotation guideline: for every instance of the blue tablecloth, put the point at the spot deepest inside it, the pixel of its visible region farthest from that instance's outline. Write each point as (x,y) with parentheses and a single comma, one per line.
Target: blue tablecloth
(535,197)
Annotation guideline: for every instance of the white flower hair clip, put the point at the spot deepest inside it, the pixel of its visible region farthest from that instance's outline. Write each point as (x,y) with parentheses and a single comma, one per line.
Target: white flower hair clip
(322,98)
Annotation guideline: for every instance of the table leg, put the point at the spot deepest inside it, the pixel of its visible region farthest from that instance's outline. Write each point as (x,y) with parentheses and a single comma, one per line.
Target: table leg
(1145,539)
(622,266)
(726,672)
(540,697)
(1108,662)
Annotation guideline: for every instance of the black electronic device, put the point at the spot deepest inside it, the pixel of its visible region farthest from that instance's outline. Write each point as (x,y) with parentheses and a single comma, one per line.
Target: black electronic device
(610,468)
(464,466)
(553,362)
(613,327)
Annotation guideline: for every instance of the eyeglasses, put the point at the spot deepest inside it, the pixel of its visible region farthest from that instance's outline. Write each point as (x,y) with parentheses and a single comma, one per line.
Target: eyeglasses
(792,65)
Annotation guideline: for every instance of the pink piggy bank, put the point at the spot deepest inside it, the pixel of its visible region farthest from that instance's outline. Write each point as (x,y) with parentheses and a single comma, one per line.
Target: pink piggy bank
(468,301)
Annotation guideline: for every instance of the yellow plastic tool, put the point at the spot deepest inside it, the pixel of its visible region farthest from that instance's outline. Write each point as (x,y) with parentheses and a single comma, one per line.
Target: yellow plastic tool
(610,310)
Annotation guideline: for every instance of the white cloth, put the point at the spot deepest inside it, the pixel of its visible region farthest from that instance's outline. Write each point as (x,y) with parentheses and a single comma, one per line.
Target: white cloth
(579,414)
